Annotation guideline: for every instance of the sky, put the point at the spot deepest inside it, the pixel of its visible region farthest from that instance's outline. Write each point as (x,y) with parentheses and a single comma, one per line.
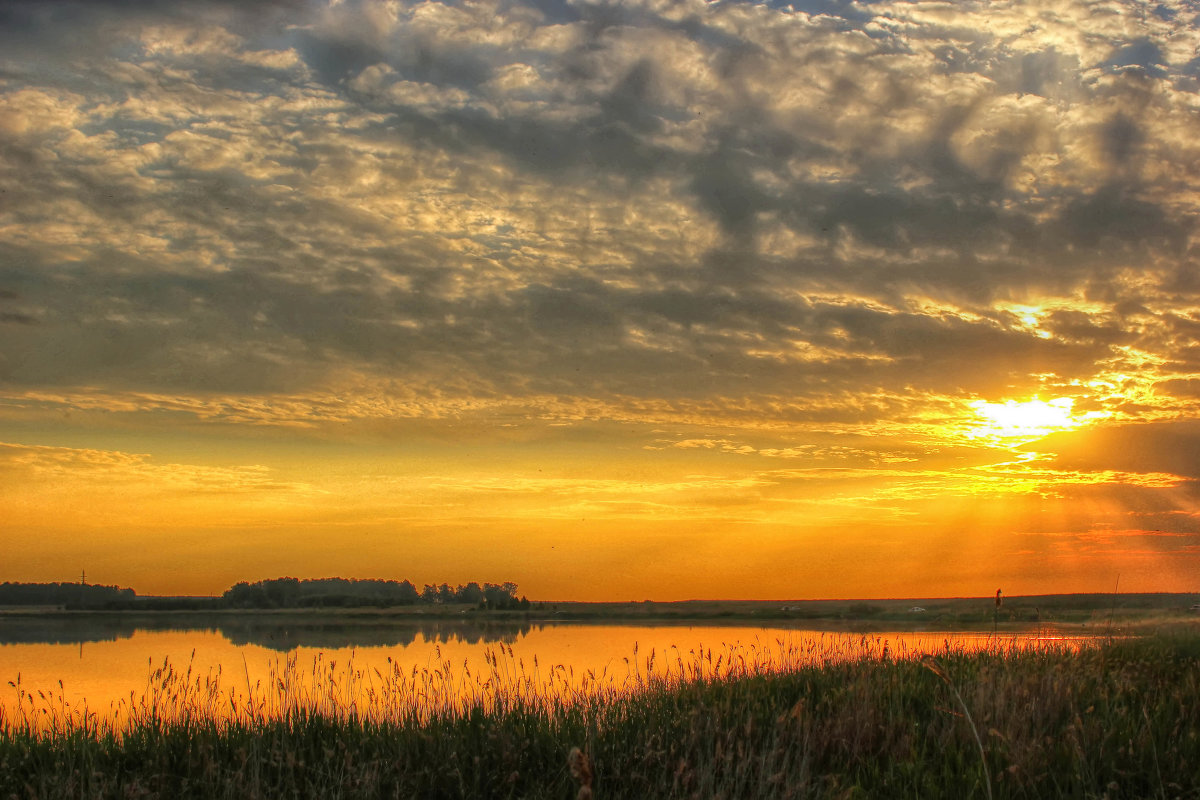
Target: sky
(618,301)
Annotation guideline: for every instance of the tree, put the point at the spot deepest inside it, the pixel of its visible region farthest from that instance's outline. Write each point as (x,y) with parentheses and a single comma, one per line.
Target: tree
(471,593)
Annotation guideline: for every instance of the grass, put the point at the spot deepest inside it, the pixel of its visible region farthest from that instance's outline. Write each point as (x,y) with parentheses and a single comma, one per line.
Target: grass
(836,718)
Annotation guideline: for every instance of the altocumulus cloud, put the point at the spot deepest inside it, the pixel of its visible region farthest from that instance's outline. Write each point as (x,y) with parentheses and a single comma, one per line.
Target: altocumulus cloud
(836,213)
(88,469)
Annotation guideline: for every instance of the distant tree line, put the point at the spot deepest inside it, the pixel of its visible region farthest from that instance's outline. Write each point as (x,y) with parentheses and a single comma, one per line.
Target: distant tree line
(274,593)
(324,592)
(62,594)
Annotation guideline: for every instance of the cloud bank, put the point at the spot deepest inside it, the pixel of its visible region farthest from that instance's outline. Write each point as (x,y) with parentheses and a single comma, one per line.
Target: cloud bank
(747,230)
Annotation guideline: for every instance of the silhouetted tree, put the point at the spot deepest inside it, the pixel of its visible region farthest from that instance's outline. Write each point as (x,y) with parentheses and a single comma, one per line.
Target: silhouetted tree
(471,593)
(309,593)
(63,594)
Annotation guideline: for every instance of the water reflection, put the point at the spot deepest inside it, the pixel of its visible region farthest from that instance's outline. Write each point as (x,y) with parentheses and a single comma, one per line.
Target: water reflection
(282,634)
(289,636)
(392,668)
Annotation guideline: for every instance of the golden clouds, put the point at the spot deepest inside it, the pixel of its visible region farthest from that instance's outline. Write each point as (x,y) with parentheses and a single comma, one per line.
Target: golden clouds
(629,243)
(77,469)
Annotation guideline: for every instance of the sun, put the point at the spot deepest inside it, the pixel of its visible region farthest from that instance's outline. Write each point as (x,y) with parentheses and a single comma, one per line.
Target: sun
(1027,419)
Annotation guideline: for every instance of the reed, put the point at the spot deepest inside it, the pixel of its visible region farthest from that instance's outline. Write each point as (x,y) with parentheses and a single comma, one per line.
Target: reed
(833,718)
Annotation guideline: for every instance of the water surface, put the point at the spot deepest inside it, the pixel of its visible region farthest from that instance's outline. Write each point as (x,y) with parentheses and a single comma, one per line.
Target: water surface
(109,669)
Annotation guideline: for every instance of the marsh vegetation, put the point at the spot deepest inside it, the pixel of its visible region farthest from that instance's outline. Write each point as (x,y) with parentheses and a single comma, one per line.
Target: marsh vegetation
(1112,718)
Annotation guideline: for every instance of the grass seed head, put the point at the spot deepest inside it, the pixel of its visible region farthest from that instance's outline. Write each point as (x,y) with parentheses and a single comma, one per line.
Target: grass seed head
(581,770)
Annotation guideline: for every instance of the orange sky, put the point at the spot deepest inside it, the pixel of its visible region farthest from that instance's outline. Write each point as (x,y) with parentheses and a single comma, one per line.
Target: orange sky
(613,301)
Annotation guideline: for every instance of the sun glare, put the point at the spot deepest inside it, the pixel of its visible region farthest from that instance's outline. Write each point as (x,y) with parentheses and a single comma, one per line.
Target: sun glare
(1029,419)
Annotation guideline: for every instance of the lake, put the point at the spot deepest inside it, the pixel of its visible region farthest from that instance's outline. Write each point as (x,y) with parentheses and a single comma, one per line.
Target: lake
(266,666)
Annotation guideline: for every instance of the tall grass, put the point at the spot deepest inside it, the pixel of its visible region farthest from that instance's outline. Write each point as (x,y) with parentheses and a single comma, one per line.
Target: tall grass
(831,718)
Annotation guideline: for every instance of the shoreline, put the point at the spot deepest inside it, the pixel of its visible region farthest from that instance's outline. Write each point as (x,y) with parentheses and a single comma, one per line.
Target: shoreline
(919,613)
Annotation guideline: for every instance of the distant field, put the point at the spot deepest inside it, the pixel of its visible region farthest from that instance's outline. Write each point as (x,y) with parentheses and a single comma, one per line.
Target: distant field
(1074,608)
(950,613)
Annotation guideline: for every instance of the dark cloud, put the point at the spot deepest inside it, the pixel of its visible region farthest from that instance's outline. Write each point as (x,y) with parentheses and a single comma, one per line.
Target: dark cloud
(1142,54)
(1181,387)
(1115,213)
(20,319)
(1077,326)
(1168,447)
(725,188)
(1121,136)
(733,200)
(37,16)
(631,101)
(1044,72)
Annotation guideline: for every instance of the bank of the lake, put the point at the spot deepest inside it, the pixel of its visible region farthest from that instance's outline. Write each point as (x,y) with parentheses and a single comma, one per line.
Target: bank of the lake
(943,613)
(1114,719)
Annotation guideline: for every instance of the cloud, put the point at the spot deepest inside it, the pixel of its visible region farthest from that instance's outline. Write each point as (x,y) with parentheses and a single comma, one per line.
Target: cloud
(92,468)
(1165,447)
(781,213)
(20,319)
